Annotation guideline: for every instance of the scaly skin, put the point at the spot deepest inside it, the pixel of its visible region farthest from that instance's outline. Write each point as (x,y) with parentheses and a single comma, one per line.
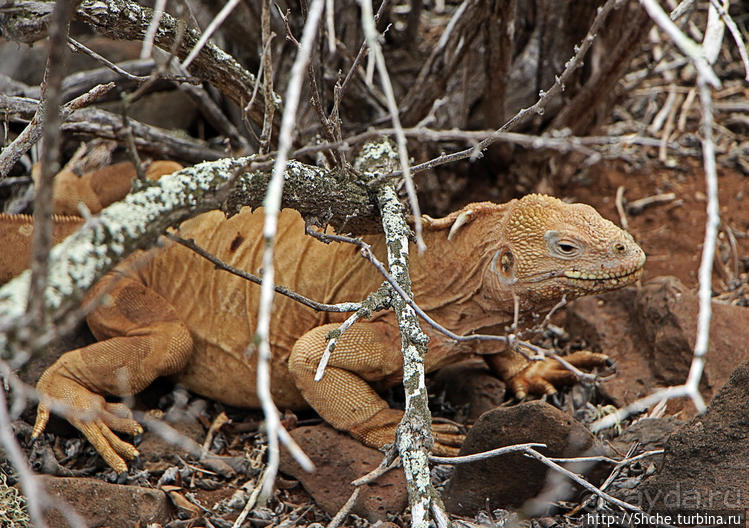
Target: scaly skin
(173,313)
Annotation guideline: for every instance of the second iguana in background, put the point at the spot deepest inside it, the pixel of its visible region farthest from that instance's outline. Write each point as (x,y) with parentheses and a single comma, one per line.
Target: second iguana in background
(171,312)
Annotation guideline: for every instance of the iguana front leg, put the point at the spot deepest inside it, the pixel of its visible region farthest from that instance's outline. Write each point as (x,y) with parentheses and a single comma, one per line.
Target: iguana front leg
(367,352)
(525,377)
(141,338)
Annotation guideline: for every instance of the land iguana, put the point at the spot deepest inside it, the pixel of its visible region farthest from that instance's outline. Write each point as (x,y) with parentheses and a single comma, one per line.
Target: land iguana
(171,312)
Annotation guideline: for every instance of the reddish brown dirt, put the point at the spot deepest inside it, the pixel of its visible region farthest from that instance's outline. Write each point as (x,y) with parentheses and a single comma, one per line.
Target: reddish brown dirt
(671,234)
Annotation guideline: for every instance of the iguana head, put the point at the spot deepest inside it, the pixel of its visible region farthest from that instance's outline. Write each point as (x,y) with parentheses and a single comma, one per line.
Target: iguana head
(549,248)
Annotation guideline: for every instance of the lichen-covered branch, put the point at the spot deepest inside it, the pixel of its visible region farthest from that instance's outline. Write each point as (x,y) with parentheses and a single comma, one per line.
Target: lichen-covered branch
(138,220)
(414,439)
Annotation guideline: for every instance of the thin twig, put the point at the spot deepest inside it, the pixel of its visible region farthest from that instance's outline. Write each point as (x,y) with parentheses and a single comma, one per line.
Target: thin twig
(736,34)
(708,248)
(153,26)
(354,317)
(212,27)
(251,501)
(705,79)
(78,46)
(638,206)
(50,108)
(220,264)
(345,509)
(528,450)
(620,208)
(361,54)
(466,459)
(687,46)
(267,66)
(272,207)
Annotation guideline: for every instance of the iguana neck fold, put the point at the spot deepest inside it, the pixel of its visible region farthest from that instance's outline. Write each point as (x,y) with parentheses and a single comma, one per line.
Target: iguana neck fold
(450,280)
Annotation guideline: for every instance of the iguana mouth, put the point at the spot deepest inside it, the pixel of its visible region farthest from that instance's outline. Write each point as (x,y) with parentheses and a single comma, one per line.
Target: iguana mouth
(624,275)
(601,275)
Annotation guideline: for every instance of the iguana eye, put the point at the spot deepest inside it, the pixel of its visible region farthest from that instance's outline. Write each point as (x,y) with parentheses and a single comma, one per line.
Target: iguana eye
(562,246)
(566,248)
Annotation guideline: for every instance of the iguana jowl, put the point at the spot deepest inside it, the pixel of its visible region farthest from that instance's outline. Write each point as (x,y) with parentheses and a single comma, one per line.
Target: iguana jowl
(170,312)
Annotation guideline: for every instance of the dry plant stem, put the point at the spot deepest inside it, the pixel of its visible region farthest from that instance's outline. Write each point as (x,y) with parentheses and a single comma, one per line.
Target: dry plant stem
(33,131)
(386,465)
(736,34)
(581,481)
(638,206)
(620,208)
(322,307)
(50,109)
(336,521)
(691,386)
(465,459)
(624,461)
(215,115)
(562,144)
(210,30)
(354,317)
(125,20)
(78,46)
(528,449)
(153,26)
(708,247)
(362,52)
(683,8)
(370,32)
(251,501)
(217,424)
(267,69)
(330,24)
(687,46)
(272,208)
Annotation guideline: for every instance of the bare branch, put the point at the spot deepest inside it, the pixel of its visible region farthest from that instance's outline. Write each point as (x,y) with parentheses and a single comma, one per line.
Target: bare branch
(272,207)
(31,134)
(50,111)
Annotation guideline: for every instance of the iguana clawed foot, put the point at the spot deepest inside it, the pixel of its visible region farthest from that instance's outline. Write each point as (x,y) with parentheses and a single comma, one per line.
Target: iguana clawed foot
(91,414)
(380,430)
(543,377)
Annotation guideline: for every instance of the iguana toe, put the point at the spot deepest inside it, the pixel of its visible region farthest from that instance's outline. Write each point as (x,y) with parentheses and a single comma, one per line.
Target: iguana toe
(90,413)
(447,443)
(109,446)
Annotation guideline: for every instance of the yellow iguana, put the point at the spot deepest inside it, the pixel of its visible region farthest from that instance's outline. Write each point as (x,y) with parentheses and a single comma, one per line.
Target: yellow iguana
(171,312)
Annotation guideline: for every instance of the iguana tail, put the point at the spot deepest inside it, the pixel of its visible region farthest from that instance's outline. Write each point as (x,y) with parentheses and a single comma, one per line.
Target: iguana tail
(96,190)
(15,232)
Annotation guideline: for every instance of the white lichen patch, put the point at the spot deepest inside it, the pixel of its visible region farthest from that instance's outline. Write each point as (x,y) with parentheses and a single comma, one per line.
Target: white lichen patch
(375,153)
(98,8)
